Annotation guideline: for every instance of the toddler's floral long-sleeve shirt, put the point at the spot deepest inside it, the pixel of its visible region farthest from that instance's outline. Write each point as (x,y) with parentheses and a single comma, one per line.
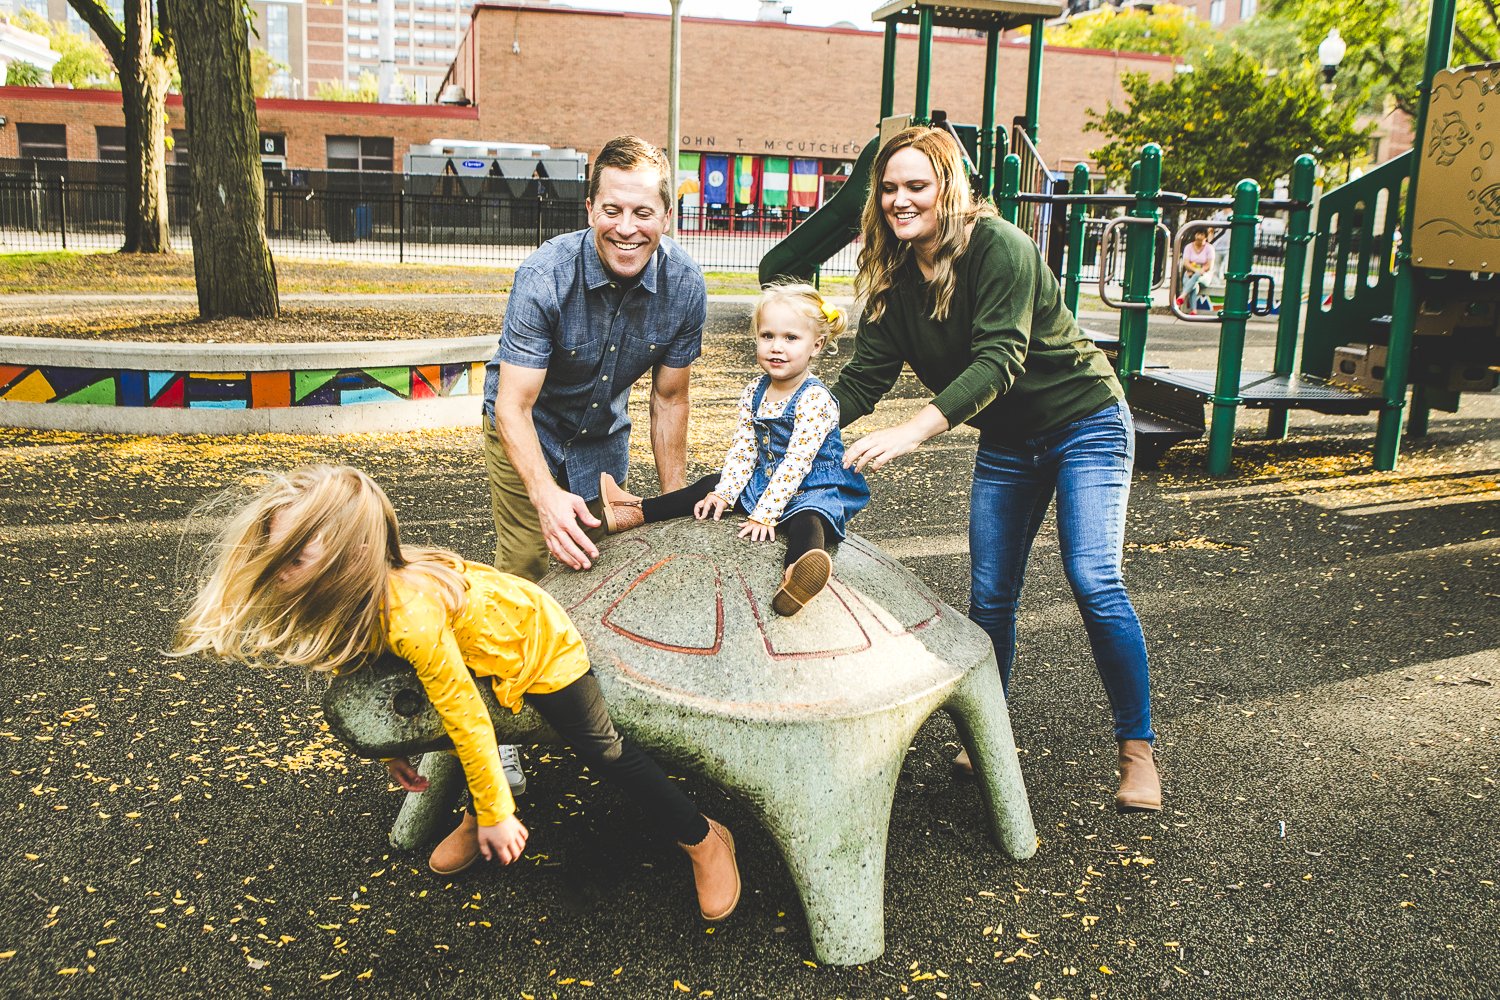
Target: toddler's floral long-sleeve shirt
(817,415)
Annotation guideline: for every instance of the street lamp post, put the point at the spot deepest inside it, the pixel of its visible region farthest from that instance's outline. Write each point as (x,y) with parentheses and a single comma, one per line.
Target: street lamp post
(674,109)
(1330,53)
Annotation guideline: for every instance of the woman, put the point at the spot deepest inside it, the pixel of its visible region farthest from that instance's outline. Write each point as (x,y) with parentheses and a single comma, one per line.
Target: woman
(966,300)
(1197,265)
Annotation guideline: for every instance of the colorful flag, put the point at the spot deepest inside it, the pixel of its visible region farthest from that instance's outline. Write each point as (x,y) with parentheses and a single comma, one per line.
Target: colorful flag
(775,181)
(744,180)
(805,183)
(715,180)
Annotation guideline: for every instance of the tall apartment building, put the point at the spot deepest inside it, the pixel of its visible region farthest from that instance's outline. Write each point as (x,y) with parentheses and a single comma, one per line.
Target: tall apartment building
(1219,13)
(58,10)
(331,42)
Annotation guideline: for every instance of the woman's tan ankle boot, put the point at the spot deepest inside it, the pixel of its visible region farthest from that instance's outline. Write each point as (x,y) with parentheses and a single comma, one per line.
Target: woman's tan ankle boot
(622,510)
(715,872)
(458,850)
(1140,788)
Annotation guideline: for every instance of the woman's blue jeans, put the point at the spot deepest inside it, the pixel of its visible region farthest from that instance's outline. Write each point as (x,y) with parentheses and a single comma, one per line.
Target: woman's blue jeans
(1087,466)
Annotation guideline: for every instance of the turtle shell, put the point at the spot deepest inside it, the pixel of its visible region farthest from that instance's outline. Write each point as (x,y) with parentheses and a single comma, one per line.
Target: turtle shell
(681,611)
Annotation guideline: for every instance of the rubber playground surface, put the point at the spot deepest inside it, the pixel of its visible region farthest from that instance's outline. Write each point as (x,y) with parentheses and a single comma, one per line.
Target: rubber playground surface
(1325,674)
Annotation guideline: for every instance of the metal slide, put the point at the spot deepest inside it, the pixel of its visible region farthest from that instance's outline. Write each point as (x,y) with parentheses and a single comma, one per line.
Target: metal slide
(828,230)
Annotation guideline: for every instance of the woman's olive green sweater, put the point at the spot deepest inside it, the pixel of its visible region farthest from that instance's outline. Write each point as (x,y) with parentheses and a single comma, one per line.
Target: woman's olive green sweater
(1009,358)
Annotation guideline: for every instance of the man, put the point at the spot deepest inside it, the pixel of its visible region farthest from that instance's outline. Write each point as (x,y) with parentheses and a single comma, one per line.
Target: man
(589,314)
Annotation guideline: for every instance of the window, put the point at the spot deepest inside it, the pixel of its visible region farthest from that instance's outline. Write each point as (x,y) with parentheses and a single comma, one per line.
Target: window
(1247,9)
(278,33)
(361,152)
(42,142)
(111,139)
(1216,12)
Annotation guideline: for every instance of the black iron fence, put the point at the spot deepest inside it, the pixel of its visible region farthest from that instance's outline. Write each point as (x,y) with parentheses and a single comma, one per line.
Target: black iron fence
(353,215)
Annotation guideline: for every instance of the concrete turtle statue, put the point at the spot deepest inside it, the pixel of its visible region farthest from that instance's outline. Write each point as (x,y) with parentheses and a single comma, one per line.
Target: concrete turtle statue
(808,718)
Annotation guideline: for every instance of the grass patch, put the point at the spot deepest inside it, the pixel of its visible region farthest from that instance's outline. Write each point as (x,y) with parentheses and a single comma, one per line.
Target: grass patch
(65,272)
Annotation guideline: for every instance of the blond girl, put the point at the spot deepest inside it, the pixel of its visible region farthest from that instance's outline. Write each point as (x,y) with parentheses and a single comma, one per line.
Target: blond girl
(313,573)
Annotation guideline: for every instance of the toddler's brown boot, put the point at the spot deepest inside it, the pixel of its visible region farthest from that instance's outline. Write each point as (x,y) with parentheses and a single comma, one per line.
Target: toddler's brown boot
(715,872)
(804,580)
(622,510)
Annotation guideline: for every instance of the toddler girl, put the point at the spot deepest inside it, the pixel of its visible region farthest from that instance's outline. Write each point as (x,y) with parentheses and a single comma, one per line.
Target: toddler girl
(785,464)
(313,573)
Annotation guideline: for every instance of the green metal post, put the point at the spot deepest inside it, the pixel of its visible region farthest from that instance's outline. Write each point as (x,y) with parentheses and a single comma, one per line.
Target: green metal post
(1226,397)
(1289,324)
(888,73)
(1010,187)
(1140,251)
(1404,308)
(1077,213)
(924,65)
(1034,79)
(987,159)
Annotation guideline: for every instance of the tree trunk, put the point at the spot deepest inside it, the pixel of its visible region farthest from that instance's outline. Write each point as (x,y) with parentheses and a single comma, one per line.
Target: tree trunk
(141,61)
(143,86)
(231,261)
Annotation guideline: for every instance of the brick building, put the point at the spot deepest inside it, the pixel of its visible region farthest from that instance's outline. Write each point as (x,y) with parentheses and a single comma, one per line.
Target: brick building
(777,108)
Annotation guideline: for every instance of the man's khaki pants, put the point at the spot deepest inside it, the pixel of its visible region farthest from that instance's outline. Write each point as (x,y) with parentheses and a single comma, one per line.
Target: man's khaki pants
(520,548)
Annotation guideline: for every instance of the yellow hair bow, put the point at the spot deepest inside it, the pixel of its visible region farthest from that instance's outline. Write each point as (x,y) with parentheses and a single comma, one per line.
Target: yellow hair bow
(830,311)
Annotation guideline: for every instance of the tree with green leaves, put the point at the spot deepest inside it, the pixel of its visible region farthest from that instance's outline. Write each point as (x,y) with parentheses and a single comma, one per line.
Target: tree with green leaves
(1225,120)
(1387,39)
(23,74)
(81,62)
(232,263)
(1166,29)
(264,71)
(142,52)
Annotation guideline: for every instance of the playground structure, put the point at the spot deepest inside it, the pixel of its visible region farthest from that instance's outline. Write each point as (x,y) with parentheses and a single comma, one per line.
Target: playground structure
(1399,269)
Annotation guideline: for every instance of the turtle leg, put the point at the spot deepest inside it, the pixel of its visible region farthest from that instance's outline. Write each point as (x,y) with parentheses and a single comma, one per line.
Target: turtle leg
(422,812)
(829,810)
(978,708)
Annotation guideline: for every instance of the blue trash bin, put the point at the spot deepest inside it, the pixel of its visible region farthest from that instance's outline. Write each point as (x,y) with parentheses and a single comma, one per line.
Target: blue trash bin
(362,224)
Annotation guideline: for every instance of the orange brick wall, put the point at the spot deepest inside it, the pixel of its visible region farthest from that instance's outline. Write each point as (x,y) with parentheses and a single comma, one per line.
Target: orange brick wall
(582,77)
(305,123)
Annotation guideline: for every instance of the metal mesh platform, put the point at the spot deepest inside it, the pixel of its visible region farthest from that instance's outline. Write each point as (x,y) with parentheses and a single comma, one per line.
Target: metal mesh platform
(1263,390)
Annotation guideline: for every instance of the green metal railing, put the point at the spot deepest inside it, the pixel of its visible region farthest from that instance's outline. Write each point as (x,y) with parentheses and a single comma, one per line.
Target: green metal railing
(1353,278)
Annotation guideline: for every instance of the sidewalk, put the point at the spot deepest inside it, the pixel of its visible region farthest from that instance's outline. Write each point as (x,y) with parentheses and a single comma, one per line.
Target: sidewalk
(1325,673)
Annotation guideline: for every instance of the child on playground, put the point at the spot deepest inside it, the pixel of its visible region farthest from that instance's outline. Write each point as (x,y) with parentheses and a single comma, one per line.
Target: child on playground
(785,464)
(312,573)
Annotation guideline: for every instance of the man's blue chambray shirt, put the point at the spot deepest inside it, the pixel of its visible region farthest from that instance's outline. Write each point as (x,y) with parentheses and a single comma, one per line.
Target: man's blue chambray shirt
(595,336)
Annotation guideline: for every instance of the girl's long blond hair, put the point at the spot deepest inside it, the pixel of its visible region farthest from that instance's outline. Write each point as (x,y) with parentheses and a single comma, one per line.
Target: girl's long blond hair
(828,320)
(882,256)
(334,613)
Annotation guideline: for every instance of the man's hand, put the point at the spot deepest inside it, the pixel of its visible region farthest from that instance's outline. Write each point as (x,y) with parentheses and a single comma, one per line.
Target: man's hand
(403,774)
(758,531)
(559,513)
(504,841)
(712,505)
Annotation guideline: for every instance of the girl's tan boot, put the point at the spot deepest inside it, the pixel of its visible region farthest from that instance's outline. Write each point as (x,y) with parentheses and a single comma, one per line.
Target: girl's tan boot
(458,850)
(715,872)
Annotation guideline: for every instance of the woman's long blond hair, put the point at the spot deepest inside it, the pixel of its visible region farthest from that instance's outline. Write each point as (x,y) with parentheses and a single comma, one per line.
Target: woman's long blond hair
(828,320)
(882,256)
(334,613)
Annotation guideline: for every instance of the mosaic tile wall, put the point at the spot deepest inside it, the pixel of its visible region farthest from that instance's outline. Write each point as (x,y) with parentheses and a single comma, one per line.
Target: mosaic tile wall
(238,390)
